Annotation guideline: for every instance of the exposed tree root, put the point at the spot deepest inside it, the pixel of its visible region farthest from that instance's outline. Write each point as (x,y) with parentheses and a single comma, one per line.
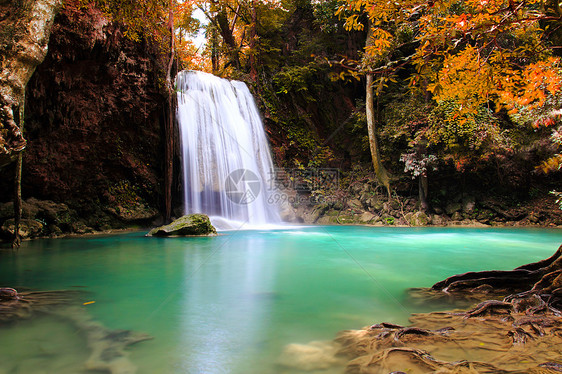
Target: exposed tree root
(542,277)
(21,305)
(520,334)
(491,307)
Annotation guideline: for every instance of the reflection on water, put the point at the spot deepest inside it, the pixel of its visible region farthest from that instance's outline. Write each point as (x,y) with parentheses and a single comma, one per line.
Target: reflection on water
(233,303)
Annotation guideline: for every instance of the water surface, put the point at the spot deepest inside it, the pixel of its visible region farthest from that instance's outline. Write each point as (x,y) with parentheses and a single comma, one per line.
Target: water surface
(229,304)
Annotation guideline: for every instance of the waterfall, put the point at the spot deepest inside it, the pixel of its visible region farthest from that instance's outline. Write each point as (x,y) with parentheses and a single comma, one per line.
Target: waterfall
(228,172)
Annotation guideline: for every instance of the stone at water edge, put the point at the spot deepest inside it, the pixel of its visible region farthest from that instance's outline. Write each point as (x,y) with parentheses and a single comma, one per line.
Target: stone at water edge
(188,225)
(28,228)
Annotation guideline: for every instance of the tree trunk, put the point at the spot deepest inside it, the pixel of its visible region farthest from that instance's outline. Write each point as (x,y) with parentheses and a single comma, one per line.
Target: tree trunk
(214,50)
(16,241)
(253,36)
(423,186)
(26,28)
(169,148)
(380,171)
(226,32)
(553,31)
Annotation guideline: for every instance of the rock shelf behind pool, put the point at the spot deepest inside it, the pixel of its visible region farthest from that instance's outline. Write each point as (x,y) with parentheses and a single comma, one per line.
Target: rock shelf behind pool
(189,225)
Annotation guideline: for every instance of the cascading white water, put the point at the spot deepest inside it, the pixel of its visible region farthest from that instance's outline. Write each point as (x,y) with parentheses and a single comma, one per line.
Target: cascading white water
(227,167)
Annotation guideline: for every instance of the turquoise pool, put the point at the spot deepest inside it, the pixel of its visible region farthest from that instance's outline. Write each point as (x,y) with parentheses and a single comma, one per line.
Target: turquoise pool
(230,304)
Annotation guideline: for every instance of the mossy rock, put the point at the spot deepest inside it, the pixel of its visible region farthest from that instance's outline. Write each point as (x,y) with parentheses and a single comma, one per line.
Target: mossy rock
(189,225)
(28,228)
(418,219)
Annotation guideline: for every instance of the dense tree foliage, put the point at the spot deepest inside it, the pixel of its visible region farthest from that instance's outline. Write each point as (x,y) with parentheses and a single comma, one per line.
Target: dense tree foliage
(472,58)
(448,87)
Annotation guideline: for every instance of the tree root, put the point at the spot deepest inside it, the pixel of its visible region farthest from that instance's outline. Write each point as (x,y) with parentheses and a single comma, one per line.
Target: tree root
(21,305)
(520,334)
(491,306)
(542,278)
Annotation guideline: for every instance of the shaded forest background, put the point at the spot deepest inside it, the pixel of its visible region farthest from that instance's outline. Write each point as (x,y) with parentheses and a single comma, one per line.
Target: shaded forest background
(96,111)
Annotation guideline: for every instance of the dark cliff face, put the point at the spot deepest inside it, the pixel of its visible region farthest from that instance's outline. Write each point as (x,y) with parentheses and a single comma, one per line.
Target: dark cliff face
(94,116)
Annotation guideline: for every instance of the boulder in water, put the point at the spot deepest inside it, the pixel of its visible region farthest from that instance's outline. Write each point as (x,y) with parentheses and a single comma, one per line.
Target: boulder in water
(188,225)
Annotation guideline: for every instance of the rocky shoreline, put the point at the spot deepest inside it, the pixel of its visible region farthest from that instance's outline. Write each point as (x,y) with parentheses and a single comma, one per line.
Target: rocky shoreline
(363,205)
(49,219)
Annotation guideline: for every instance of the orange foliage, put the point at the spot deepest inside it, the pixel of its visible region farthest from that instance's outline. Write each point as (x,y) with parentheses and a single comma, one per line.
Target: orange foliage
(473,52)
(552,164)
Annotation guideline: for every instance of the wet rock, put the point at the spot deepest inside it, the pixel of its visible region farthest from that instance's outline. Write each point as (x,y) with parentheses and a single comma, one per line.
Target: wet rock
(29,228)
(485,215)
(307,215)
(468,204)
(288,213)
(395,204)
(367,217)
(80,227)
(189,225)
(457,216)
(27,210)
(326,220)
(418,219)
(533,218)
(452,208)
(372,202)
(54,230)
(355,204)
(438,220)
(475,223)
(46,209)
(364,198)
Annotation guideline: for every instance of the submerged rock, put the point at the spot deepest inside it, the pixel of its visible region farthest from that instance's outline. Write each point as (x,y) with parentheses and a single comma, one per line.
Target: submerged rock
(316,355)
(189,225)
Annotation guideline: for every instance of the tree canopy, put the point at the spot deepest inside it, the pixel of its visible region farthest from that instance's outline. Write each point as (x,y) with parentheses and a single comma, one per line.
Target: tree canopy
(476,52)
